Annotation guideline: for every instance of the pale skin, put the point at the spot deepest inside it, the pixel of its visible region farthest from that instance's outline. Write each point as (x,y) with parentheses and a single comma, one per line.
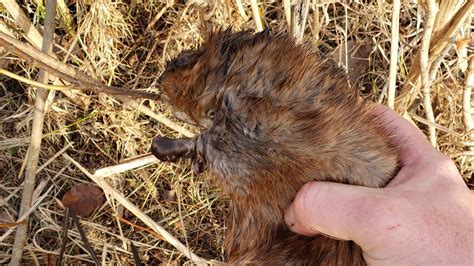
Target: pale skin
(424,216)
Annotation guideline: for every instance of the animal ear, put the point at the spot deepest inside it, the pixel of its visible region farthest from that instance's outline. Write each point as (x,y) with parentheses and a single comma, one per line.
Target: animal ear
(185,60)
(211,32)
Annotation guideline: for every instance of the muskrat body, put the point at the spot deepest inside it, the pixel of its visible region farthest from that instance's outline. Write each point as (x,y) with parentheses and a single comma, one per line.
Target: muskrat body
(275,115)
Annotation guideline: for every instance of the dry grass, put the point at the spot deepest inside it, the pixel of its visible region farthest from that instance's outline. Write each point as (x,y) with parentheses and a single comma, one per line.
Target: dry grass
(112,41)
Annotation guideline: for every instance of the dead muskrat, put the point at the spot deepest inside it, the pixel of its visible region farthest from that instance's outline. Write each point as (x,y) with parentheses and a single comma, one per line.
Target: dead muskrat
(274,116)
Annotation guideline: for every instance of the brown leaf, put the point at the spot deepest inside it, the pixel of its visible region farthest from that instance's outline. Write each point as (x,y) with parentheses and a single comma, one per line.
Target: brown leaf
(83,199)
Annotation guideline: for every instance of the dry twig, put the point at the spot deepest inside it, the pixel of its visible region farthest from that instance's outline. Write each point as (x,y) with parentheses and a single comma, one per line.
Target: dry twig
(128,165)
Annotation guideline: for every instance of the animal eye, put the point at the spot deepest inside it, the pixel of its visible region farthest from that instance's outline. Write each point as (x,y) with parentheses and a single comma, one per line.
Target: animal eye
(210,114)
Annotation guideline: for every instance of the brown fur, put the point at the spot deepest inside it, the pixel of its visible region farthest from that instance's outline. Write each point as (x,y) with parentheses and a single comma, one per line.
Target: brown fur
(275,116)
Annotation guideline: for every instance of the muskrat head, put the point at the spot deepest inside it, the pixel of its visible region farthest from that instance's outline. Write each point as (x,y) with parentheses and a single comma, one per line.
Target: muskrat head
(228,86)
(237,147)
(194,80)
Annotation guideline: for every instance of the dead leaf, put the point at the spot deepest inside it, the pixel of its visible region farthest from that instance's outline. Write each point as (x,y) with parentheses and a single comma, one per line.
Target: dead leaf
(83,199)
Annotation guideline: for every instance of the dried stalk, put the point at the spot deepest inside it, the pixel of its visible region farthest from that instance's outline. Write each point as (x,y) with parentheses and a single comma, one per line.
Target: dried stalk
(316,22)
(466,103)
(393,53)
(437,62)
(15,11)
(32,82)
(256,15)
(128,165)
(241,9)
(424,66)
(299,17)
(287,9)
(36,137)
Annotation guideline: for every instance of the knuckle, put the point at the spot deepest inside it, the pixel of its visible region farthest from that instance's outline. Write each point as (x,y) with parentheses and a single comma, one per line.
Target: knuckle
(447,165)
(447,171)
(378,211)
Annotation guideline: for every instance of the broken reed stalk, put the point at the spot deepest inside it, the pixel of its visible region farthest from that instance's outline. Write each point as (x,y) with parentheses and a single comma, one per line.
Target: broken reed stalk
(299,17)
(430,16)
(393,53)
(128,165)
(36,137)
(23,21)
(466,103)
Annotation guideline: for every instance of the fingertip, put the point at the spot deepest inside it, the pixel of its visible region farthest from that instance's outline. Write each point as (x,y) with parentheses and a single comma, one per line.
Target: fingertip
(298,216)
(289,217)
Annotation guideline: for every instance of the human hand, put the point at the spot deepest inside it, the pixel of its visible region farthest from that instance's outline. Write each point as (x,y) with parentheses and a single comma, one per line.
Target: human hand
(425,215)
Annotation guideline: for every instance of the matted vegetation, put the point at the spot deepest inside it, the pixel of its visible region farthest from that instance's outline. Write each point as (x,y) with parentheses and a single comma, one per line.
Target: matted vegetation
(127,44)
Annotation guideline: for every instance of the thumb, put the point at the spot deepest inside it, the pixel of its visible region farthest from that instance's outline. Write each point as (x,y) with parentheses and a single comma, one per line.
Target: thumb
(334,209)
